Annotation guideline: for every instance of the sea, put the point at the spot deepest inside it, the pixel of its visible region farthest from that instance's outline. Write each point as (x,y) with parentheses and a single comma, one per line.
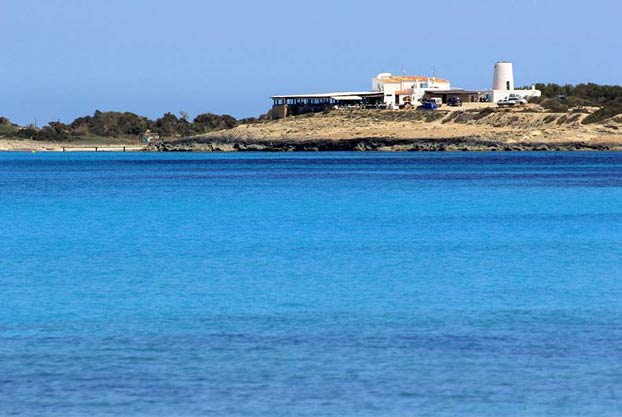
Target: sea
(311,284)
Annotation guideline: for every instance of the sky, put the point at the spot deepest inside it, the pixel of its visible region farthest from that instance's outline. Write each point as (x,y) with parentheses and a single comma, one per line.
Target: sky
(61,59)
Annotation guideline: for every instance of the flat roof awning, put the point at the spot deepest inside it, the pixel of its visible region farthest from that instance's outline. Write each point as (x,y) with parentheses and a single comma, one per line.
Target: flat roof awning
(348,98)
(335,96)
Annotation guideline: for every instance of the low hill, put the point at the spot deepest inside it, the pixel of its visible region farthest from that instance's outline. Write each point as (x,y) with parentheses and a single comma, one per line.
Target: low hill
(553,123)
(474,127)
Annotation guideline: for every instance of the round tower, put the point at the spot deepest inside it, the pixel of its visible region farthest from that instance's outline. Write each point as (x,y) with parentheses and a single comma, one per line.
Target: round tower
(504,76)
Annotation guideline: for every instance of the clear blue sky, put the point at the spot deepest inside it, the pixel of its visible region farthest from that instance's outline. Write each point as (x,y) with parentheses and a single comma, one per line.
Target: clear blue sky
(66,58)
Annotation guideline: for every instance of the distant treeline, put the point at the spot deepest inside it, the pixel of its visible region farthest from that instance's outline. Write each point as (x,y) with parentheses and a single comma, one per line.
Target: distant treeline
(116,124)
(561,98)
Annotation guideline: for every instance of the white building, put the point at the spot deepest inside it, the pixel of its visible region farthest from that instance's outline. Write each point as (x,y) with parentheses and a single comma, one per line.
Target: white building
(503,84)
(401,89)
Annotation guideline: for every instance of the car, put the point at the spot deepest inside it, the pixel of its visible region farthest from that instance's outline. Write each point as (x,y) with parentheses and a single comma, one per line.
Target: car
(506,102)
(428,105)
(436,100)
(511,101)
(517,98)
(454,102)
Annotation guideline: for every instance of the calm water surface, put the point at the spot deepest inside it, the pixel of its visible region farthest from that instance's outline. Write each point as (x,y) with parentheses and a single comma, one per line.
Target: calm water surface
(311,285)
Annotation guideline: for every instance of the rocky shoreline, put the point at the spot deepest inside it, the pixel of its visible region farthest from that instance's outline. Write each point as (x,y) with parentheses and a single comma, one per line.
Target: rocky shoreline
(529,128)
(371,145)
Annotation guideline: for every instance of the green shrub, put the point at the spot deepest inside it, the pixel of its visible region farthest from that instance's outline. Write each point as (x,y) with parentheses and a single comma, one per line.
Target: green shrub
(602,114)
(578,102)
(554,105)
(484,112)
(7,128)
(550,118)
(208,122)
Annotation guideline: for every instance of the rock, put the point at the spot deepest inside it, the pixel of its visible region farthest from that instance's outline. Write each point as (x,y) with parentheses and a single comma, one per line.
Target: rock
(369,145)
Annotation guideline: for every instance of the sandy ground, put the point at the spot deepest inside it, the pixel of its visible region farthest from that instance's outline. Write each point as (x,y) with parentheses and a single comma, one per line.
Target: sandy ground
(523,124)
(25,145)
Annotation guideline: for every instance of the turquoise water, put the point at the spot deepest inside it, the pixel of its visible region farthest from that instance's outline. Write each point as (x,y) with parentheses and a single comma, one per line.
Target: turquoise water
(311,284)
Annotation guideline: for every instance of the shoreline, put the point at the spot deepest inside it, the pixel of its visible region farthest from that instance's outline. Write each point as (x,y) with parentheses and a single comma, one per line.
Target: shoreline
(528,128)
(27,145)
(374,144)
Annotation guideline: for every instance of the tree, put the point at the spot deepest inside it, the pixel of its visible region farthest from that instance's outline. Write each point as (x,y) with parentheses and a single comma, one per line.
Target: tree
(208,122)
(607,97)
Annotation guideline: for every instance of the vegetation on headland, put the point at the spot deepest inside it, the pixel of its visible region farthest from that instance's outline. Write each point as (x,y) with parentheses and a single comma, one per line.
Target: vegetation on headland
(121,125)
(563,98)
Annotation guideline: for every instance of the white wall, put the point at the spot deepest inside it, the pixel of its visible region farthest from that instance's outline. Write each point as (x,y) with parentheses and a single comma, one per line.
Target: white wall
(390,88)
(389,93)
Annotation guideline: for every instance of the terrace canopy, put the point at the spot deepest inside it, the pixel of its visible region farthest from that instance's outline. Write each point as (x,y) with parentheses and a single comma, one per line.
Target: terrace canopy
(327,97)
(291,105)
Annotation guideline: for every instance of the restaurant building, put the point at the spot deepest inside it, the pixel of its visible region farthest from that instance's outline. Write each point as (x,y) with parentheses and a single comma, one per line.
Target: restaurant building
(292,105)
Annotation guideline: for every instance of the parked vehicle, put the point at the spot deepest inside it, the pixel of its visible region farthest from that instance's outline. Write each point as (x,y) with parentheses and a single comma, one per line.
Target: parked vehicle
(519,99)
(511,101)
(428,105)
(454,102)
(436,100)
(506,102)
